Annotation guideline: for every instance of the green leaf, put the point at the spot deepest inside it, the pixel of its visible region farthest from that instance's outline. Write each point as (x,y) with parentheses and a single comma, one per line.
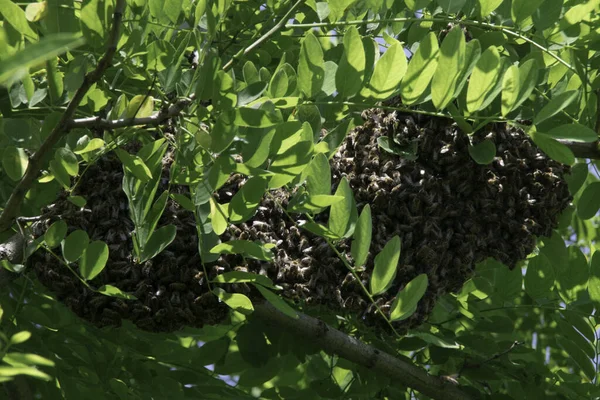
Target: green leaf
(318,175)
(343,214)
(183,201)
(420,70)
(487,6)
(252,344)
(277,302)
(577,177)
(14,162)
(594,282)
(74,245)
(244,247)
(589,202)
(408,298)
(351,69)
(19,338)
(450,64)
(319,230)
(159,240)
(554,149)
(254,117)
(55,233)
(290,163)
(472,55)
(15,16)
(112,291)
(311,66)
(251,93)
(573,131)
(27,359)
(88,146)
(362,237)
(236,301)
(77,200)
(218,217)
(539,277)
(68,160)
(242,277)
(30,371)
(223,132)
(386,266)
(555,105)
(528,80)
(483,79)
(451,6)
(140,106)
(244,203)
(250,73)
(510,89)
(382,83)
(134,165)
(13,67)
(313,203)
(279,84)
(521,9)
(578,356)
(60,174)
(93,260)
(483,153)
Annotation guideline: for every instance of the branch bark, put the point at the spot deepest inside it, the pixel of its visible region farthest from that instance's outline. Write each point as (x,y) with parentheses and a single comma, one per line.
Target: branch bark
(335,341)
(156,119)
(35,163)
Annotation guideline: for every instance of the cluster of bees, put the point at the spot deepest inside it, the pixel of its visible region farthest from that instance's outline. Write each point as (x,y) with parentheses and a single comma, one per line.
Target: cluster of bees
(449,212)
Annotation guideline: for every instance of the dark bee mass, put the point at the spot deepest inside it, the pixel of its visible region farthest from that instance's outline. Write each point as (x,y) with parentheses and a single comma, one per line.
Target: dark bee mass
(449,212)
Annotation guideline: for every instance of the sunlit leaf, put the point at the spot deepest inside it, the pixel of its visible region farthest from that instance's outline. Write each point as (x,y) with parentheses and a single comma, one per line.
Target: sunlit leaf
(343,214)
(420,70)
(382,83)
(484,78)
(244,247)
(362,237)
(158,241)
(236,301)
(386,265)
(351,70)
(112,291)
(450,63)
(311,66)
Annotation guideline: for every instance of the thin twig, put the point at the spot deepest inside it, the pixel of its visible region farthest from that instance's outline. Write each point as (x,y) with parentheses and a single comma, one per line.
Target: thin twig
(35,163)
(156,119)
(263,38)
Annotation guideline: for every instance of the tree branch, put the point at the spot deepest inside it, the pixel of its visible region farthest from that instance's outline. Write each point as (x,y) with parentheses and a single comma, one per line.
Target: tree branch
(35,163)
(156,119)
(583,150)
(335,341)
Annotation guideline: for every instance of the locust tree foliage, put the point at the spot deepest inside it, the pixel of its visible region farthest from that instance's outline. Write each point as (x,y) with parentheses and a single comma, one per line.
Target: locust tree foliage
(528,333)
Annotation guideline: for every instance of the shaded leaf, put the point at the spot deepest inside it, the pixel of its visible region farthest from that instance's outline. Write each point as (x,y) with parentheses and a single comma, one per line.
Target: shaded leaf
(14,162)
(483,153)
(74,245)
(158,241)
(93,260)
(407,299)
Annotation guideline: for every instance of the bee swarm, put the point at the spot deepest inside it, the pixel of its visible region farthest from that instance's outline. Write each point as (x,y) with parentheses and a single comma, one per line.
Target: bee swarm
(449,212)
